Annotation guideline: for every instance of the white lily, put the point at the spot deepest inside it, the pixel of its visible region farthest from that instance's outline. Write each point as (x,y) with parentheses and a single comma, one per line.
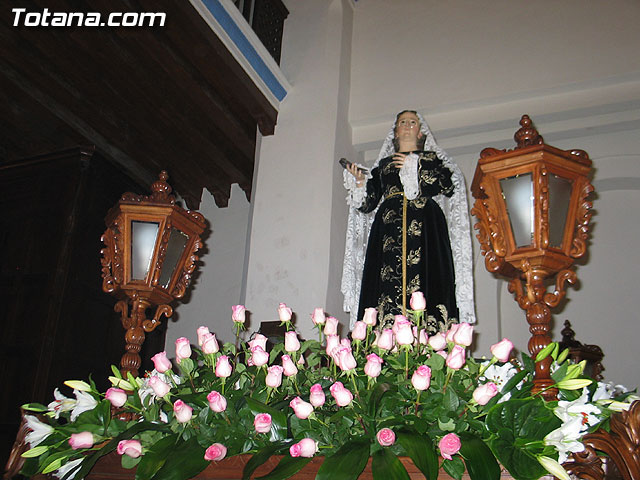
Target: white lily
(61,404)
(85,402)
(579,408)
(39,431)
(565,439)
(62,471)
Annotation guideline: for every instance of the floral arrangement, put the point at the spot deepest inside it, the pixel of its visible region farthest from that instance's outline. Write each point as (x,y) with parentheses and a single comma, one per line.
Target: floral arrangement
(384,392)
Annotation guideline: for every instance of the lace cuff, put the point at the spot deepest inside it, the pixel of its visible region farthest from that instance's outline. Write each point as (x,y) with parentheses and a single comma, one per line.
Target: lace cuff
(409,176)
(356,194)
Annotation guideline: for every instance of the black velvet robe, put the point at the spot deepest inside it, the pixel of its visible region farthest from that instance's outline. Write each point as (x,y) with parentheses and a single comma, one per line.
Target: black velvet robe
(413,230)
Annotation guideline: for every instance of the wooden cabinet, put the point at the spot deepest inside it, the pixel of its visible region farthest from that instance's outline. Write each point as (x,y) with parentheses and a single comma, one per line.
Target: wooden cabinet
(56,323)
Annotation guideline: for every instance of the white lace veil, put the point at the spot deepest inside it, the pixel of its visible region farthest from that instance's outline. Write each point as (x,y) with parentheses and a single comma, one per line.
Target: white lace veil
(456,213)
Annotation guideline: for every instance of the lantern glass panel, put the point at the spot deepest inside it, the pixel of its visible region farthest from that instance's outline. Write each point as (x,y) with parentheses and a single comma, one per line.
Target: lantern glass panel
(143,241)
(175,247)
(517,192)
(559,198)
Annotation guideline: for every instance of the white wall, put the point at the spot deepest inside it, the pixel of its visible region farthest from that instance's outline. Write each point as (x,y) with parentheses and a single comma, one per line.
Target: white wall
(219,278)
(291,222)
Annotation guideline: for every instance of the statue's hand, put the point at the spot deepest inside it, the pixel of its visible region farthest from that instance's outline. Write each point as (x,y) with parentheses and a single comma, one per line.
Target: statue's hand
(398,159)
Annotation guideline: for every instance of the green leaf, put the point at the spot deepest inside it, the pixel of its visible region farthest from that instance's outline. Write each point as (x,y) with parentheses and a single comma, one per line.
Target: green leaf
(155,457)
(436,362)
(376,396)
(187,365)
(451,400)
(186,461)
(421,451)
(258,459)
(528,363)
(386,466)
(286,468)
(347,463)
(515,419)
(129,462)
(454,467)
(480,462)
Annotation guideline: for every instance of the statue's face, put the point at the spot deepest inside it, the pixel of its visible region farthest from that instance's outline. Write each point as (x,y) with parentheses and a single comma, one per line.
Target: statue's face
(408,127)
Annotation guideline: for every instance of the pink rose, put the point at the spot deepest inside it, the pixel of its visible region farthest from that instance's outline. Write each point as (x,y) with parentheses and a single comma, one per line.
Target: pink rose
(341,395)
(437,342)
(417,302)
(159,387)
(238,313)
(423,338)
(333,341)
(483,393)
(202,331)
(259,340)
(385,340)
(259,357)
(284,313)
(160,362)
(217,402)
(421,378)
(183,349)
(291,342)
(288,366)
(464,334)
(318,317)
(370,316)
(223,367)
(386,437)
(274,376)
(116,396)
(81,440)
(502,350)
(210,344)
(346,360)
(452,332)
(316,395)
(215,452)
(262,422)
(449,445)
(455,360)
(359,331)
(301,408)
(182,411)
(331,326)
(404,332)
(307,447)
(133,448)
(442,353)
(373,366)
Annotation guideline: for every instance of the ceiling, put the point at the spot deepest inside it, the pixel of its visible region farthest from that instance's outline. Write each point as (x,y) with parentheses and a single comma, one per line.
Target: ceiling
(149,98)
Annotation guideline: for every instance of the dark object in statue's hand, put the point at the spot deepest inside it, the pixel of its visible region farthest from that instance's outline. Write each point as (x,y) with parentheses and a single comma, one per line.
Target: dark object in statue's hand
(346,163)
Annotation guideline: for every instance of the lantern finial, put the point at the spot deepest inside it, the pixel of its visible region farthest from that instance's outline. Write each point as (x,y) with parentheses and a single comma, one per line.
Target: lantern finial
(527,135)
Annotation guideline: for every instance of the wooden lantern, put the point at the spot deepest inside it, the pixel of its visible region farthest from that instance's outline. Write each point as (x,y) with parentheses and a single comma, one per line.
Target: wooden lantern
(148,259)
(533,217)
